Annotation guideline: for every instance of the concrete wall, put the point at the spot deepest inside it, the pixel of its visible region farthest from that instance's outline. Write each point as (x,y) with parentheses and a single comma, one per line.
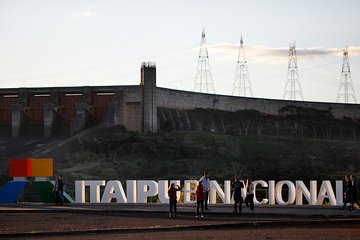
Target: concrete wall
(82,120)
(135,107)
(19,120)
(125,108)
(51,120)
(176,99)
(132,109)
(133,116)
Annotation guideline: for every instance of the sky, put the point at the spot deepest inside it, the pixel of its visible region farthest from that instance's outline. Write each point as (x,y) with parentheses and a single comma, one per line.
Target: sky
(46,43)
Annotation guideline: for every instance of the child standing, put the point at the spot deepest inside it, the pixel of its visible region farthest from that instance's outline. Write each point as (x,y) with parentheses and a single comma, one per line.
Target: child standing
(200,197)
(173,198)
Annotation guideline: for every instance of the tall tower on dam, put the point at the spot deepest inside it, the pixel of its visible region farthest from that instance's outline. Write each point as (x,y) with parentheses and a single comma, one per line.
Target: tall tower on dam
(149,108)
(292,90)
(346,92)
(242,84)
(203,79)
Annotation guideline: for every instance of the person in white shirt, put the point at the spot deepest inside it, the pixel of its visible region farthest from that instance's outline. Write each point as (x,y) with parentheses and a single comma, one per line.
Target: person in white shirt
(206,182)
(250,194)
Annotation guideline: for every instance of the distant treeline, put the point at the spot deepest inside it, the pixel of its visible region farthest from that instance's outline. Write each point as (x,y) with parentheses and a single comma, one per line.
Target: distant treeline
(291,121)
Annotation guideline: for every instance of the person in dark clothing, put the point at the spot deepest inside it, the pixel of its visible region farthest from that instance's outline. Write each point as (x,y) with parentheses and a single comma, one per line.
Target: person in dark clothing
(173,198)
(354,190)
(59,190)
(55,191)
(236,188)
(200,197)
(348,195)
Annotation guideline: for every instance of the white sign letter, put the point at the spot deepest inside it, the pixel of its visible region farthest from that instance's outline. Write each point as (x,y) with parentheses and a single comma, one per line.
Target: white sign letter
(95,189)
(339,193)
(188,190)
(301,190)
(263,184)
(79,191)
(271,192)
(291,193)
(146,188)
(216,189)
(114,189)
(131,191)
(326,191)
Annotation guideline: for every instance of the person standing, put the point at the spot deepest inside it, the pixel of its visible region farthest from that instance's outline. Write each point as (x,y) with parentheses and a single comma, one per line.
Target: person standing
(200,196)
(60,190)
(250,194)
(173,198)
(206,182)
(348,195)
(236,188)
(354,191)
(55,191)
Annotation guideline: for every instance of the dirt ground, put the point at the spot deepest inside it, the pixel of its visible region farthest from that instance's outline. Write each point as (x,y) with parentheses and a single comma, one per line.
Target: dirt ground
(157,225)
(253,233)
(15,222)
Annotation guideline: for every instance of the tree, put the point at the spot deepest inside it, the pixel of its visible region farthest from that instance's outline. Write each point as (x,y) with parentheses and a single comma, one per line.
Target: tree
(247,117)
(310,118)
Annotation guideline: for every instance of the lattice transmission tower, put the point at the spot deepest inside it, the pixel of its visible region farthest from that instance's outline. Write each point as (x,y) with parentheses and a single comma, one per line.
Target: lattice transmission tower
(292,90)
(346,89)
(242,84)
(203,79)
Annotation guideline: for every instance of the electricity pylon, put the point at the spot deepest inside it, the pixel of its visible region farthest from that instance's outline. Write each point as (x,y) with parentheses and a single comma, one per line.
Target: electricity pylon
(292,90)
(346,91)
(203,79)
(242,84)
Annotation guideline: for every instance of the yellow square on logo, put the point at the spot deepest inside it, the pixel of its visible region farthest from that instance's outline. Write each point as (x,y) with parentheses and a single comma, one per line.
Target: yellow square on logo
(42,167)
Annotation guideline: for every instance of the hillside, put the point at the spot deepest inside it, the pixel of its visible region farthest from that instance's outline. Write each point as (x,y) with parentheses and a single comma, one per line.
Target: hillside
(299,143)
(113,153)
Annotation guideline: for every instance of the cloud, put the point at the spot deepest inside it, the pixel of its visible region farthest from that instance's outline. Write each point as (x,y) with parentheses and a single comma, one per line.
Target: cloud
(263,54)
(354,51)
(88,11)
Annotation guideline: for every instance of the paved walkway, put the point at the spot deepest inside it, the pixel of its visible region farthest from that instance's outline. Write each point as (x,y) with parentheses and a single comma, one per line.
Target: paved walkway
(305,210)
(27,220)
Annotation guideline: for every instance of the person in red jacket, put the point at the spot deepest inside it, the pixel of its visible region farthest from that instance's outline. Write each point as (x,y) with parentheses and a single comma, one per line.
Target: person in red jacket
(200,197)
(172,198)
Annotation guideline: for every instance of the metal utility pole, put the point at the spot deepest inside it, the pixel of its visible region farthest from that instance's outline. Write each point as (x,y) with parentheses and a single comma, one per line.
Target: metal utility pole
(292,90)
(242,84)
(346,93)
(203,79)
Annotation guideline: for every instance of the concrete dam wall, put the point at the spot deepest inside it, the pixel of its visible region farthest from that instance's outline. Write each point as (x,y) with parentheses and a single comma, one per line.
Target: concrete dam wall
(48,112)
(176,99)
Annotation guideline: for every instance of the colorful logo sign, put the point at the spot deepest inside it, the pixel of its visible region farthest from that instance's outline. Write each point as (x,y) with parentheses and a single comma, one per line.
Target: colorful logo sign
(22,170)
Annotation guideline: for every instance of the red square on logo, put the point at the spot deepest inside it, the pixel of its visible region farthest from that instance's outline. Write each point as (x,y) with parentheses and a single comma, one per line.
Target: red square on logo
(20,167)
